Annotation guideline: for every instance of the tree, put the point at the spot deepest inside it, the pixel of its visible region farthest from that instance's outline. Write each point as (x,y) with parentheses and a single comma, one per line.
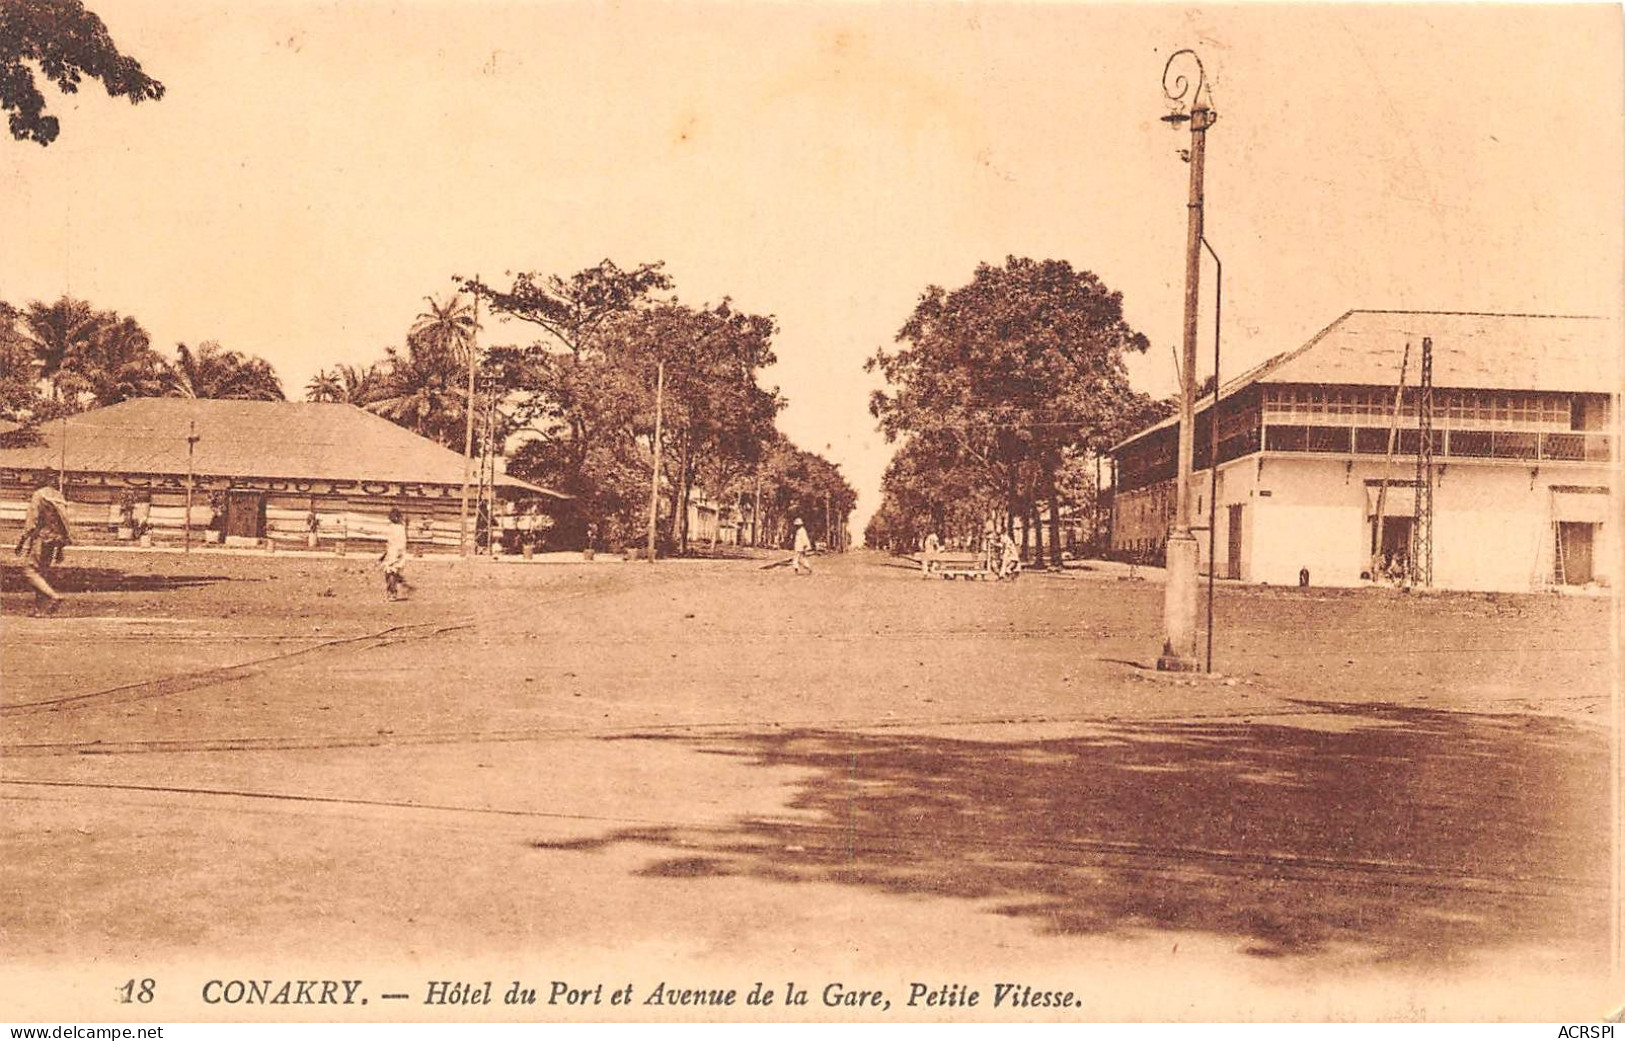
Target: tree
(58,333)
(562,390)
(116,364)
(65,43)
(349,384)
(325,386)
(85,357)
(931,485)
(18,391)
(1017,366)
(212,371)
(423,389)
(715,416)
(445,327)
(797,483)
(361,384)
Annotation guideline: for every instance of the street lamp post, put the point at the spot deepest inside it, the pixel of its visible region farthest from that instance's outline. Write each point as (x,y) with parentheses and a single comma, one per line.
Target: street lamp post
(1180,590)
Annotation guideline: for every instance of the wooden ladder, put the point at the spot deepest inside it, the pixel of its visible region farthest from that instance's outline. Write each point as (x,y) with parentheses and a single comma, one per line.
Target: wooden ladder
(1549,579)
(1559,576)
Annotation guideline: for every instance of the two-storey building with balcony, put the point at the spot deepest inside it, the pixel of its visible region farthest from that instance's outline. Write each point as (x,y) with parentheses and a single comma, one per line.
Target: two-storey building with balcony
(1524,441)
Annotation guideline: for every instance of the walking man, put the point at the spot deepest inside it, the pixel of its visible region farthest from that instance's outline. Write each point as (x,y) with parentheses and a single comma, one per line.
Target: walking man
(1009,557)
(45,534)
(803,546)
(394,556)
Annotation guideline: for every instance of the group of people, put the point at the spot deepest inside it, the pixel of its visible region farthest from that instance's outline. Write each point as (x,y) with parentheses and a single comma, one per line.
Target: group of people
(1000,556)
(47,533)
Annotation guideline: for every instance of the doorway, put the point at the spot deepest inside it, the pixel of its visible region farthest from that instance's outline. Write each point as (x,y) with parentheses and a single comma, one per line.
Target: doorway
(1233,543)
(245,514)
(1393,556)
(1574,543)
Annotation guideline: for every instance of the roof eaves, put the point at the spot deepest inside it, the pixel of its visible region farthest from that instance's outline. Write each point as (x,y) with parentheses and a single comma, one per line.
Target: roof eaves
(514,482)
(1240,383)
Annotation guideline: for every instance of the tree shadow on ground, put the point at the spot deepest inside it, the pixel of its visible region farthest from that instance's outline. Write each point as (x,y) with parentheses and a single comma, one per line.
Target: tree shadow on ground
(104,580)
(1382,832)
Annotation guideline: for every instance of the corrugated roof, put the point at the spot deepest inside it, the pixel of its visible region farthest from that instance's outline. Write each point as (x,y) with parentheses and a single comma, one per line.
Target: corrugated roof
(286,439)
(1471,351)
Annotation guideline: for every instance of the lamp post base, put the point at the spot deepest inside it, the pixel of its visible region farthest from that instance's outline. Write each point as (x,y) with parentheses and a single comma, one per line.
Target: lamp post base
(1179,607)
(1167,662)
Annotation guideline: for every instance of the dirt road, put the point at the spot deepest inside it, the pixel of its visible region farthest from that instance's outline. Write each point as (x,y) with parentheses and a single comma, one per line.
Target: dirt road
(705,774)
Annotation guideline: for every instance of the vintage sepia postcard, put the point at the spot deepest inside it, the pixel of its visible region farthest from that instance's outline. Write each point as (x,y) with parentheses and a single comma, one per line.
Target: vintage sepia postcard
(851,512)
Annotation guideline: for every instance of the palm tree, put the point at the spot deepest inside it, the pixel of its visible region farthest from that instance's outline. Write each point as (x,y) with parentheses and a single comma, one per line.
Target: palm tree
(211,371)
(118,363)
(447,328)
(422,391)
(58,333)
(361,385)
(349,384)
(324,386)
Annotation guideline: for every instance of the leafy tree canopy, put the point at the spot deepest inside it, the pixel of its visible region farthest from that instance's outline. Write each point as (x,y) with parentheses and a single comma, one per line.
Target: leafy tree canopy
(65,43)
(994,383)
(212,371)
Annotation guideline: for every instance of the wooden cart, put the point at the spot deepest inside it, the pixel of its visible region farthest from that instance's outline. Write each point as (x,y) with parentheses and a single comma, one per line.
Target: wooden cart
(950,565)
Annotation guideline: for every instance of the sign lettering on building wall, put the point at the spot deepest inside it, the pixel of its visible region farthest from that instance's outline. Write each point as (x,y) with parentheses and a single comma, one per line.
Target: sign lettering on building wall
(206,483)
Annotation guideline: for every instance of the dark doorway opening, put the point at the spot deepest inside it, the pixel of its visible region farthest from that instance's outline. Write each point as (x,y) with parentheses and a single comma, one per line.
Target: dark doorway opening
(1393,557)
(1575,542)
(1233,543)
(245,514)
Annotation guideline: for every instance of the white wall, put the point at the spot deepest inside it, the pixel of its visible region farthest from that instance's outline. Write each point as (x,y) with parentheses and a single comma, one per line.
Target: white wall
(1237,482)
(1492,522)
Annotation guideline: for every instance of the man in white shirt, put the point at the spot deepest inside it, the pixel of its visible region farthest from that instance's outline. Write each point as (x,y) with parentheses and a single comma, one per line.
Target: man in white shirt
(803,546)
(1009,556)
(394,556)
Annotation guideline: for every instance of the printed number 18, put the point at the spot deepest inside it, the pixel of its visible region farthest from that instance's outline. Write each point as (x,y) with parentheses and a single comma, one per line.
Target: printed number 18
(130,992)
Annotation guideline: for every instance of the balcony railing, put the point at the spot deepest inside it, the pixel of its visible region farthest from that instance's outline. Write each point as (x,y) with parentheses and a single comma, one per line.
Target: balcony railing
(1522,445)
(1318,438)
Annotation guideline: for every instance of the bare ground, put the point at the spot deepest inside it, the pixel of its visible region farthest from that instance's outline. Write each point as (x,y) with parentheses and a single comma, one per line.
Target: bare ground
(708,773)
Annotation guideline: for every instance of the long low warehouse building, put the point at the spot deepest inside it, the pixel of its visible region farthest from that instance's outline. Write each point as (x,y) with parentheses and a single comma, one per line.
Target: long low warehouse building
(262,473)
(1524,439)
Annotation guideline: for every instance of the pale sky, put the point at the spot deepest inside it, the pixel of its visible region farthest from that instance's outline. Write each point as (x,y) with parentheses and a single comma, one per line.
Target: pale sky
(317,168)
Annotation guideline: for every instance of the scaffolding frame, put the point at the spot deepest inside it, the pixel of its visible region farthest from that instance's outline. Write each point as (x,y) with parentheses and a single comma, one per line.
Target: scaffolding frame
(1421,563)
(485,494)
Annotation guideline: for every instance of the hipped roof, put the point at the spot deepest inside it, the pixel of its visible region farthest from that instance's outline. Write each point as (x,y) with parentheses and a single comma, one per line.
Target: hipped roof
(1471,351)
(294,440)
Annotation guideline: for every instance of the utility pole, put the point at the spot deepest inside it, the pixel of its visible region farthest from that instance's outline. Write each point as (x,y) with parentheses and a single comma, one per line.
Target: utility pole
(1213,450)
(654,475)
(1180,589)
(468,429)
(756,515)
(191,445)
